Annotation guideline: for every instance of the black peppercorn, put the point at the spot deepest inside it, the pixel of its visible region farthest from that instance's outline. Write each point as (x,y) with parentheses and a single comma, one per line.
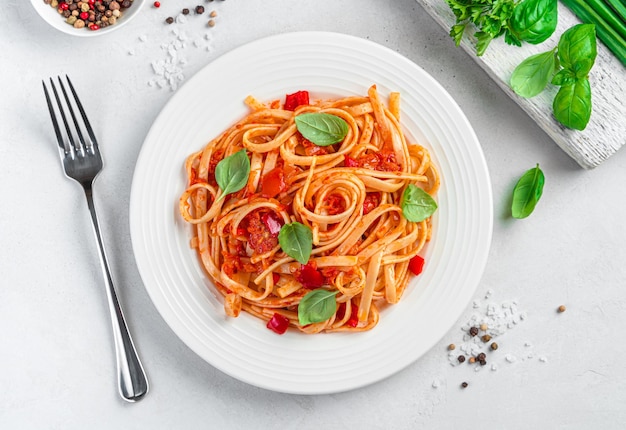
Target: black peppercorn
(473,331)
(461,358)
(199,10)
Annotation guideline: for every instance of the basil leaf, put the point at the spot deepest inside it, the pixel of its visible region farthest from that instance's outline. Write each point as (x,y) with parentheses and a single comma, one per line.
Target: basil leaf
(577,48)
(317,306)
(564,77)
(296,240)
(417,204)
(232,172)
(572,104)
(527,192)
(323,129)
(534,20)
(533,74)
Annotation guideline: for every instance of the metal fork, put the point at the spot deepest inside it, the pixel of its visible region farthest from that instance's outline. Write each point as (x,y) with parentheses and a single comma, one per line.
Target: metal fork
(82,162)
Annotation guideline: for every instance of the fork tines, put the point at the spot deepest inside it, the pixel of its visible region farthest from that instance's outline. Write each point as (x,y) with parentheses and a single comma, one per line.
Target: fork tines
(70,146)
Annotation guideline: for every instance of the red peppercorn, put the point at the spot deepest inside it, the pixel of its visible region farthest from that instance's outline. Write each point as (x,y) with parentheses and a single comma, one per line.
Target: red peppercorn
(84,16)
(94,27)
(157,4)
(64,6)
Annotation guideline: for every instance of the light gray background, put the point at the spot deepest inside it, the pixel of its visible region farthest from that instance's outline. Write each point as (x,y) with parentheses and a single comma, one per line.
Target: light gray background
(56,360)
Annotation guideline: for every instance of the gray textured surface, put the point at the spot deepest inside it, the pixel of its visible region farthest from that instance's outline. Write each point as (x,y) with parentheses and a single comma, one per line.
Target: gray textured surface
(58,370)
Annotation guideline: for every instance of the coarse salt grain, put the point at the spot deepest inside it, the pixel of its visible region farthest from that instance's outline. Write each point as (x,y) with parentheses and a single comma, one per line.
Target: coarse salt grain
(436,383)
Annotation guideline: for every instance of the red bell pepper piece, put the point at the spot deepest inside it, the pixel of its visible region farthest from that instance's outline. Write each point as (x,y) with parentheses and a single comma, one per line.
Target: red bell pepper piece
(416,264)
(299,98)
(273,182)
(310,277)
(278,323)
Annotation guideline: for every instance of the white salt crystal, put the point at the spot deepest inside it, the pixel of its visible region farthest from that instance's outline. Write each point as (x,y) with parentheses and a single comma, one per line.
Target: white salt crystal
(436,383)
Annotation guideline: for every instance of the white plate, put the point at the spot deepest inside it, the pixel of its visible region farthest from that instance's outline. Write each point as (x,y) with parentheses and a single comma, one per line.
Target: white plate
(323,63)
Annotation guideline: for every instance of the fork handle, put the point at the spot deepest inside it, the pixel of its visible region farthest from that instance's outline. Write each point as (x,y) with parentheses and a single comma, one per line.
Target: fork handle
(131,378)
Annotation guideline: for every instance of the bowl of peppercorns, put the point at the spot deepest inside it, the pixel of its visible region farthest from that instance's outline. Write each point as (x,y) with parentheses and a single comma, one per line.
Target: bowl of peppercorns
(87,17)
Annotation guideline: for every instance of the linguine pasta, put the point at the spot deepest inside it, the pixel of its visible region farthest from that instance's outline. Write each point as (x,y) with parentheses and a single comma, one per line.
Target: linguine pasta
(348,194)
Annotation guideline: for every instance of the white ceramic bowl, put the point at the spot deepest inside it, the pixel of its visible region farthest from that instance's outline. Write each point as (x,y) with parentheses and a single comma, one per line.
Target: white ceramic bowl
(52,17)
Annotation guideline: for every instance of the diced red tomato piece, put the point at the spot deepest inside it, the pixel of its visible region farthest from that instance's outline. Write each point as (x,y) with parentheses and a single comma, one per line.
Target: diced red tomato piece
(371,202)
(273,182)
(278,323)
(299,98)
(416,265)
(350,162)
(272,222)
(260,239)
(310,277)
(275,277)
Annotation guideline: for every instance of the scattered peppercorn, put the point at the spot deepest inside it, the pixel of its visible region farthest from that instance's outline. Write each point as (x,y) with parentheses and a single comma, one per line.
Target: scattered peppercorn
(484,327)
(157,4)
(561,309)
(461,358)
(493,346)
(213,14)
(169,20)
(185,11)
(199,10)
(211,23)
(472,360)
(451,347)
(482,356)
(464,385)
(473,331)
(486,338)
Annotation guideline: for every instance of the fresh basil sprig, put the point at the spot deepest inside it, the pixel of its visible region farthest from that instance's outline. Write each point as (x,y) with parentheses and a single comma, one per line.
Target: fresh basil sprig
(323,129)
(533,74)
(296,240)
(417,204)
(317,306)
(531,21)
(527,192)
(575,55)
(232,172)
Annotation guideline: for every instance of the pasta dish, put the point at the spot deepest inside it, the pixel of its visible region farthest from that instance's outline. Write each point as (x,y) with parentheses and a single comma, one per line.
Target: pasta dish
(312,214)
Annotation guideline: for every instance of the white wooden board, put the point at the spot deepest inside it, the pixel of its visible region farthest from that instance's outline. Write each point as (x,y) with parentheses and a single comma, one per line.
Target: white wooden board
(606,131)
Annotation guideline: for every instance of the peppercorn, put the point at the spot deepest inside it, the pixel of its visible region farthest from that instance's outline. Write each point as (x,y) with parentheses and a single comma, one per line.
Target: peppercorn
(484,327)
(472,360)
(494,346)
(169,20)
(211,23)
(213,14)
(185,11)
(157,4)
(464,385)
(486,338)
(461,358)
(451,347)
(473,331)
(199,10)
(561,309)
